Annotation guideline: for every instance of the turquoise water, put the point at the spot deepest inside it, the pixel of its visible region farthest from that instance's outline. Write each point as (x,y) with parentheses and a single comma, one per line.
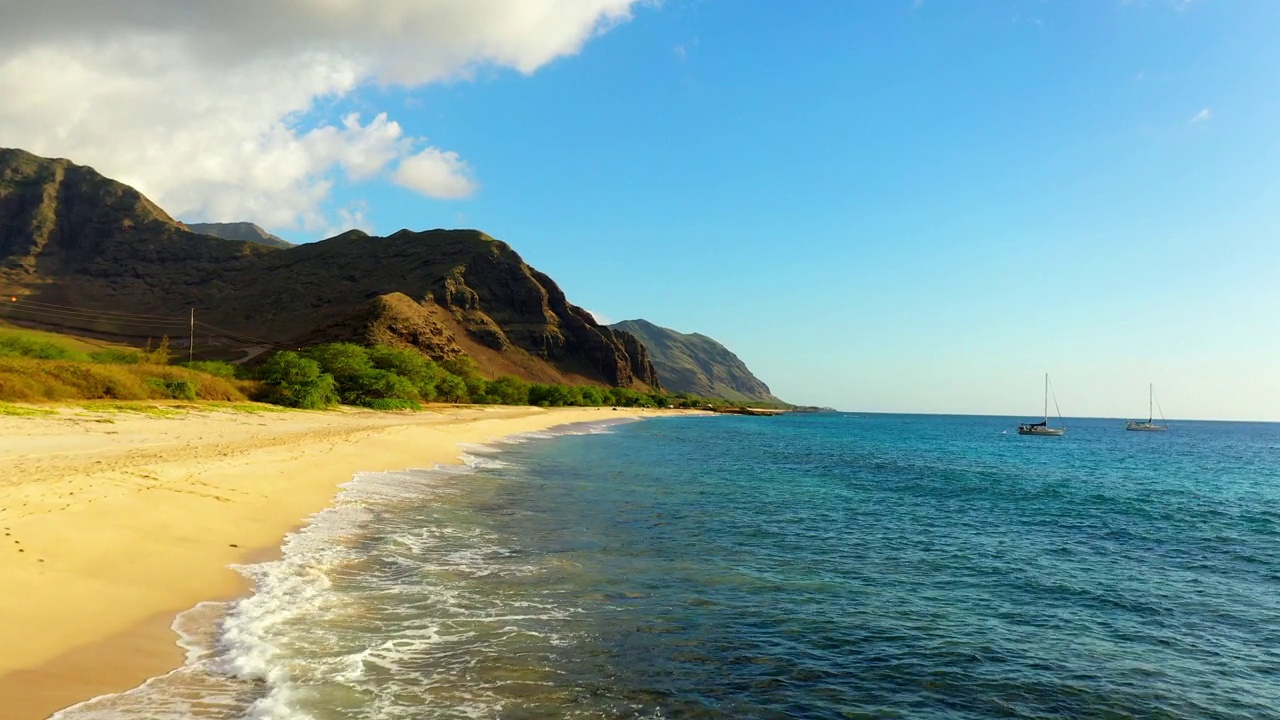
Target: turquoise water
(815,566)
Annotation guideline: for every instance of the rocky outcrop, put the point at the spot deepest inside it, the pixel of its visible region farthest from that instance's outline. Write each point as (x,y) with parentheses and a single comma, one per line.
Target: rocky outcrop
(697,364)
(69,236)
(397,320)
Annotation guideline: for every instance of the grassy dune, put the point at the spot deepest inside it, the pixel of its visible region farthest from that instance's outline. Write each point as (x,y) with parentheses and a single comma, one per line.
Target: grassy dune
(38,366)
(36,380)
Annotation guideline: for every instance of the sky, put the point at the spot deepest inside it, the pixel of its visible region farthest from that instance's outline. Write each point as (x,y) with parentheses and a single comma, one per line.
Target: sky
(902,206)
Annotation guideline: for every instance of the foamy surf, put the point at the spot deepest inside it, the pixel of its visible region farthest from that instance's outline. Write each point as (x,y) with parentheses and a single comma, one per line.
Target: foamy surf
(365,613)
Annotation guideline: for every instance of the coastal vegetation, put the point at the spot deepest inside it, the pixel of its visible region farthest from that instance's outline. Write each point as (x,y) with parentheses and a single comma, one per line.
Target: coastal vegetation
(38,366)
(382,377)
(35,380)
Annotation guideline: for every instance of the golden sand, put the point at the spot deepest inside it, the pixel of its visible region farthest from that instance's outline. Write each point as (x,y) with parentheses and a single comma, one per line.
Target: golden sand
(112,523)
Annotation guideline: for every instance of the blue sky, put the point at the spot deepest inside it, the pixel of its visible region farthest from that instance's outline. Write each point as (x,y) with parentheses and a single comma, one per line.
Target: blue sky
(898,206)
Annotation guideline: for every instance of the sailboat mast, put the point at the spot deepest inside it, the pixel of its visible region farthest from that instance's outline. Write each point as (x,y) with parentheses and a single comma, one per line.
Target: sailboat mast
(1151,393)
(1046,399)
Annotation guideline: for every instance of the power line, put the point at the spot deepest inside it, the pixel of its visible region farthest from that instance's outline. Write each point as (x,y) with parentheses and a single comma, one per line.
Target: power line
(8,308)
(241,337)
(40,310)
(15,301)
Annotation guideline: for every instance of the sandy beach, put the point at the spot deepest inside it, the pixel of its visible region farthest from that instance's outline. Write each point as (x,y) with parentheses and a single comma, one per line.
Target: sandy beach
(112,523)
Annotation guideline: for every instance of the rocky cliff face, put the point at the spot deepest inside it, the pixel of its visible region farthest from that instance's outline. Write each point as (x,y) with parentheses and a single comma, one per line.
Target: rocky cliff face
(70,237)
(697,364)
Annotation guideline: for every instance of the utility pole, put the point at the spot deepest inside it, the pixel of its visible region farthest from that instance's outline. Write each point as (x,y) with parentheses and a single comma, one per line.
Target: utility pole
(191,347)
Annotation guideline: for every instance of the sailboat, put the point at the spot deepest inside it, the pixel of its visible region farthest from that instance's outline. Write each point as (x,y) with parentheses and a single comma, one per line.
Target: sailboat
(1042,428)
(1149,425)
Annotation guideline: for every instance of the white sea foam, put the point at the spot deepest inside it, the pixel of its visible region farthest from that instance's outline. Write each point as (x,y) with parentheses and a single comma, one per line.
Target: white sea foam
(266,656)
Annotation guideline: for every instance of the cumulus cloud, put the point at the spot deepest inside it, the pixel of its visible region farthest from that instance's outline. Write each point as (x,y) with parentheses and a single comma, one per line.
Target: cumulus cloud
(1201,117)
(210,107)
(435,173)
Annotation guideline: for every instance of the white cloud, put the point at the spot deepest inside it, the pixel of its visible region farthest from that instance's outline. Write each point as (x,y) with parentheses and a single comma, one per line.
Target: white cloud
(201,105)
(435,173)
(599,317)
(1201,117)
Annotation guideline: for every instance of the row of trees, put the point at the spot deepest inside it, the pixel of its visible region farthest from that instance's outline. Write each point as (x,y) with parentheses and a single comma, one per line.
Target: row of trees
(390,378)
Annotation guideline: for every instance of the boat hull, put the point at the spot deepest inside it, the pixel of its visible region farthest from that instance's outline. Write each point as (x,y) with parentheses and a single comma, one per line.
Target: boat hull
(1145,427)
(1040,430)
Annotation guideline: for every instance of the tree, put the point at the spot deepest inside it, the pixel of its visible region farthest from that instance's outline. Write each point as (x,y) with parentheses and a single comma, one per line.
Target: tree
(508,390)
(374,384)
(594,396)
(295,381)
(451,388)
(422,372)
(344,361)
(464,367)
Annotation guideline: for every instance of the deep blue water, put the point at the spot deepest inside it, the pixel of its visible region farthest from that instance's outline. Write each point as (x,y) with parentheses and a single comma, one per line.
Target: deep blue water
(809,566)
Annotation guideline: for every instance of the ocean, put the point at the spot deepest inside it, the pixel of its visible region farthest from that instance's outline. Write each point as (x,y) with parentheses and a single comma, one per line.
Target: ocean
(802,566)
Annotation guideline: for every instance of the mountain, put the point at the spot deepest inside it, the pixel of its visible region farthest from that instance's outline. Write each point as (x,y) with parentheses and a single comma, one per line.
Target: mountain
(245,231)
(84,252)
(697,364)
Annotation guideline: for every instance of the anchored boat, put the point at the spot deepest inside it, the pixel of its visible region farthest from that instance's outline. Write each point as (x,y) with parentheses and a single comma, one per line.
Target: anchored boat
(1149,425)
(1042,428)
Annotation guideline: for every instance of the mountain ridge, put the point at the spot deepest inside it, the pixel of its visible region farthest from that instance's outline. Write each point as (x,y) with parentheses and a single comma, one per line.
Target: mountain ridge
(698,364)
(247,231)
(72,238)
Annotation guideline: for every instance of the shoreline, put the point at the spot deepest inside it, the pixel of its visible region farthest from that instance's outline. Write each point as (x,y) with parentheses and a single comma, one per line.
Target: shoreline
(112,525)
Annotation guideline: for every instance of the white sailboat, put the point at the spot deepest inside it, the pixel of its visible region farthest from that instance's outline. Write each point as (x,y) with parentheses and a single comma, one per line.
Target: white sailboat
(1149,425)
(1042,428)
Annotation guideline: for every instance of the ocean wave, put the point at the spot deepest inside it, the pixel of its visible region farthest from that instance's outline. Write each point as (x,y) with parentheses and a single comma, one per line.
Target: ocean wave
(359,596)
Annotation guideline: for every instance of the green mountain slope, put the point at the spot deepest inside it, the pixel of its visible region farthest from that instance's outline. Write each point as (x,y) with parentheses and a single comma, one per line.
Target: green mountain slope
(697,364)
(71,238)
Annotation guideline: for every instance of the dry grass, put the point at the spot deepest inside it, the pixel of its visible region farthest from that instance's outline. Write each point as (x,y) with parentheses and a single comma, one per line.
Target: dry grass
(34,380)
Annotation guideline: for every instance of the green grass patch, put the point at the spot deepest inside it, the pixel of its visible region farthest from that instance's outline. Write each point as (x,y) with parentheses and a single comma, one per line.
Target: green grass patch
(69,342)
(391,404)
(251,408)
(23,345)
(139,408)
(24,410)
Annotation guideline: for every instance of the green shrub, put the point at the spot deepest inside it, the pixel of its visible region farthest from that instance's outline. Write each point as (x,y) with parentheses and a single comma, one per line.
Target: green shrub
(392,404)
(626,397)
(344,361)
(21,346)
(594,397)
(466,369)
(507,390)
(173,388)
(294,381)
(410,365)
(451,388)
(374,384)
(555,395)
(216,368)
